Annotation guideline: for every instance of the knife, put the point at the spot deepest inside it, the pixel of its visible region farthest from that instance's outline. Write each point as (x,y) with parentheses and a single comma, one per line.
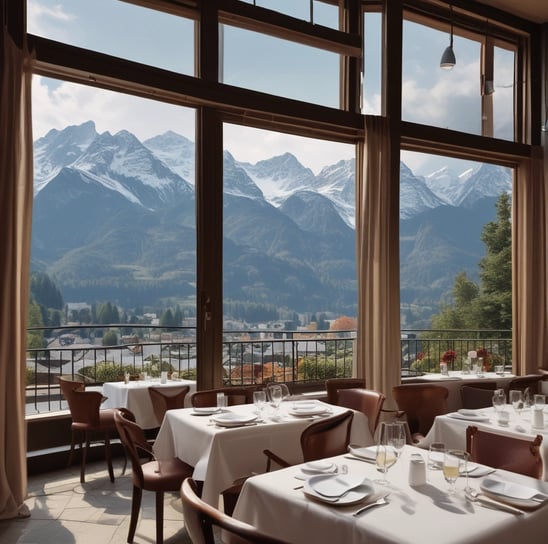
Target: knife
(477,497)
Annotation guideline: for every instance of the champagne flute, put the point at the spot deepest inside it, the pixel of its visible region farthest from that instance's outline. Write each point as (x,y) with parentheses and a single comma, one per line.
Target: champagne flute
(396,437)
(385,455)
(454,463)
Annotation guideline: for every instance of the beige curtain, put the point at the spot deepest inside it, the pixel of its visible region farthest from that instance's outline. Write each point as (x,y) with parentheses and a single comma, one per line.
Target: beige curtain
(377,254)
(529,292)
(16,193)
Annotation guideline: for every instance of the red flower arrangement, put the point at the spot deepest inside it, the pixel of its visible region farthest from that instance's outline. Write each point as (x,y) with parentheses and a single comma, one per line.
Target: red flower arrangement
(449,356)
(485,355)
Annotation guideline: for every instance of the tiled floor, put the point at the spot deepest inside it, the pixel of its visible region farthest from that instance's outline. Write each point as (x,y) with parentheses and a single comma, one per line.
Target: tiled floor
(65,512)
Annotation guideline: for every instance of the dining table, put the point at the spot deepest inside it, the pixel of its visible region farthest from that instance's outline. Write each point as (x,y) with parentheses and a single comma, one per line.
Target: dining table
(221,454)
(451,428)
(455,378)
(281,505)
(134,396)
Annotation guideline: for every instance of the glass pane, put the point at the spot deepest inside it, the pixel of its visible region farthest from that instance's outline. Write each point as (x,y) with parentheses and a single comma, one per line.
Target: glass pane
(114,210)
(372,80)
(117,28)
(503,97)
(289,219)
(280,67)
(322,13)
(434,96)
(445,204)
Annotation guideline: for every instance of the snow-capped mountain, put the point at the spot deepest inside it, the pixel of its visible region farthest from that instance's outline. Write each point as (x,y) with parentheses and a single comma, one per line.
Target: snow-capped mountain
(114,218)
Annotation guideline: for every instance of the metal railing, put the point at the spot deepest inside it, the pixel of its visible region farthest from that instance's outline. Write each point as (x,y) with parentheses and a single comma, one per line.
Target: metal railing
(249,357)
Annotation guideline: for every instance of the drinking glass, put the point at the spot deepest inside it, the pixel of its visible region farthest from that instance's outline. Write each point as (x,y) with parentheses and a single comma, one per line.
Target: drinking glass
(385,455)
(499,399)
(435,455)
(516,400)
(276,396)
(259,400)
(285,391)
(454,463)
(537,421)
(396,437)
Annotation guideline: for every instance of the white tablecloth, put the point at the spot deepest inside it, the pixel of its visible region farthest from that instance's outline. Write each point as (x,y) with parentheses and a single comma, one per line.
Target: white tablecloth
(221,455)
(134,396)
(455,379)
(425,515)
(452,431)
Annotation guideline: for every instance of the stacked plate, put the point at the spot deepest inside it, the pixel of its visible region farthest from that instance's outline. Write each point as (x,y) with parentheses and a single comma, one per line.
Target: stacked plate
(338,489)
(205,410)
(230,419)
(514,494)
(316,467)
(470,415)
(307,409)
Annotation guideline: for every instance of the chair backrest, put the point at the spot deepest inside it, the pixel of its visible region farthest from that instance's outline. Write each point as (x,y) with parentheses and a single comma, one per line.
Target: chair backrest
(83,405)
(530,381)
(505,452)
(477,394)
(333,385)
(367,401)
(134,440)
(421,404)
(235,395)
(200,518)
(167,398)
(327,437)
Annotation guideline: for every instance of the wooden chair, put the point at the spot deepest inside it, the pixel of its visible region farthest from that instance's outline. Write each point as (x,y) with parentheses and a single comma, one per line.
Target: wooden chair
(235,395)
(367,401)
(505,452)
(201,518)
(334,385)
(88,419)
(477,394)
(167,398)
(157,476)
(530,381)
(324,438)
(421,404)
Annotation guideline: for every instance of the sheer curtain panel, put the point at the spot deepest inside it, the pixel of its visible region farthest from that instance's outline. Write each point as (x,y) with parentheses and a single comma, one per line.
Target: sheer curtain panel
(16,193)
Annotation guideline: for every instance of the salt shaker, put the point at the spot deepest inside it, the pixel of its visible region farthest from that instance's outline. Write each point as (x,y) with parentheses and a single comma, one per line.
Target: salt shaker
(417,470)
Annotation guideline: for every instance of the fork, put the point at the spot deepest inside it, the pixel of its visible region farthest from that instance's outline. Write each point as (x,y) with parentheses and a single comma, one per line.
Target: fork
(378,502)
(476,496)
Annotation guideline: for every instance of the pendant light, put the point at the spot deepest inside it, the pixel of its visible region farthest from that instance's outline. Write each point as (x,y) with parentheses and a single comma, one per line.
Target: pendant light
(448,58)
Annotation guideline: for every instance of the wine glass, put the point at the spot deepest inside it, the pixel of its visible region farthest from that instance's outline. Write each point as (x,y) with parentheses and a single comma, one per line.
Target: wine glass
(386,454)
(499,399)
(516,400)
(285,391)
(454,463)
(396,437)
(259,400)
(276,397)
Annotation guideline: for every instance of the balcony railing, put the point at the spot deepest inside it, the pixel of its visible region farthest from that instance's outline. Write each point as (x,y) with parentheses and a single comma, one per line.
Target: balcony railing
(249,357)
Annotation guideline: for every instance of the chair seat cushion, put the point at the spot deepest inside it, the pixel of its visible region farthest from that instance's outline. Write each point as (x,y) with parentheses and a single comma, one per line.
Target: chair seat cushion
(106,422)
(166,475)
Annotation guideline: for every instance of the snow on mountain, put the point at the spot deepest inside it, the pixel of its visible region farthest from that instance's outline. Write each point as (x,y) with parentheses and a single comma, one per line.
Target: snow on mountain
(176,151)
(415,195)
(445,184)
(487,180)
(59,148)
(236,181)
(279,177)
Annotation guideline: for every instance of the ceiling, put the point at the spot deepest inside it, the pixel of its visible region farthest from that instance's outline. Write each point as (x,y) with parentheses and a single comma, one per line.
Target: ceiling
(533,10)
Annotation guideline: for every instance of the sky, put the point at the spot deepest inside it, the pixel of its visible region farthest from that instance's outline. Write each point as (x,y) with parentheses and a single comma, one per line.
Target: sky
(430,94)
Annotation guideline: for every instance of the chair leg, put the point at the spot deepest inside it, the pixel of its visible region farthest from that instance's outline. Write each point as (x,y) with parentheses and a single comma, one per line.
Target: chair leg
(72,444)
(159,517)
(108,455)
(84,458)
(135,507)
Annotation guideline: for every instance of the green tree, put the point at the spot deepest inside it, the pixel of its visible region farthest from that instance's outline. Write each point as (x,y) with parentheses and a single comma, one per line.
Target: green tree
(110,338)
(35,339)
(489,305)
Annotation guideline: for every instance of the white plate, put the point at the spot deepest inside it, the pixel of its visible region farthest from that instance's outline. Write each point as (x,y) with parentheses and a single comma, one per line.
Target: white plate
(474,417)
(229,419)
(369,453)
(205,410)
(472,413)
(515,494)
(365,489)
(304,411)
